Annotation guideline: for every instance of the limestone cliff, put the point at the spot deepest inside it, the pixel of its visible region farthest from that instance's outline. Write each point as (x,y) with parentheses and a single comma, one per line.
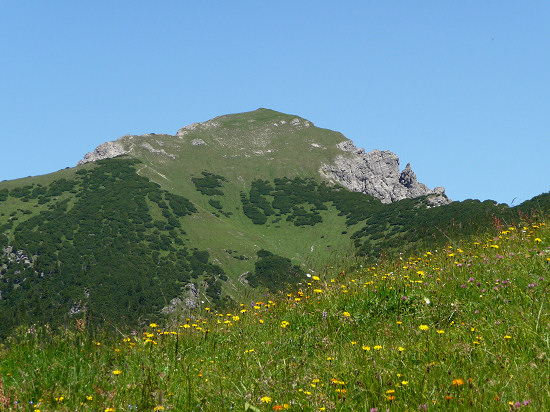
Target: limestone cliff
(377,173)
(103,151)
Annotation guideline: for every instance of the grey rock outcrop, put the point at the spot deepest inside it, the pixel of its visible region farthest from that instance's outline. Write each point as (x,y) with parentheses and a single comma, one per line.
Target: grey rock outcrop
(198,142)
(210,124)
(377,173)
(103,151)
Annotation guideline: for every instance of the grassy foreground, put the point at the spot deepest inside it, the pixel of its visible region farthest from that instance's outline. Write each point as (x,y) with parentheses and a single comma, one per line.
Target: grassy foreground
(466,327)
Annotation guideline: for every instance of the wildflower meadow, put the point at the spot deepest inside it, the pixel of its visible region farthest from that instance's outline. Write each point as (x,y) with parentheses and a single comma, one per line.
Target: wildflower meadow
(463,327)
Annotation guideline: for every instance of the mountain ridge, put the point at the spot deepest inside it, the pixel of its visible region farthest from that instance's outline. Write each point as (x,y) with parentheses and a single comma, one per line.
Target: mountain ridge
(375,173)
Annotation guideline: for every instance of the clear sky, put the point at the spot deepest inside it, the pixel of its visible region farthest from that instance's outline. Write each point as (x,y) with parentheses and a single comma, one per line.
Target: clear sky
(460,89)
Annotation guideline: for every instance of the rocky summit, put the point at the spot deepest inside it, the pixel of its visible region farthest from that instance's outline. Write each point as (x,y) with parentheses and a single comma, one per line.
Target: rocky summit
(375,173)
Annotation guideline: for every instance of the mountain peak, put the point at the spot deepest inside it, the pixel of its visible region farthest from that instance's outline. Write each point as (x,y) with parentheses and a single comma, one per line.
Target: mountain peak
(272,143)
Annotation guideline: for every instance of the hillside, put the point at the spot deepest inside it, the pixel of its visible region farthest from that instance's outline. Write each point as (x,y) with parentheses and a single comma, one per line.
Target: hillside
(462,327)
(223,210)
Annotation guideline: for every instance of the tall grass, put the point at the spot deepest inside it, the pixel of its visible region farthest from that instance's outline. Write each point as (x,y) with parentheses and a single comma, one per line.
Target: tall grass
(461,328)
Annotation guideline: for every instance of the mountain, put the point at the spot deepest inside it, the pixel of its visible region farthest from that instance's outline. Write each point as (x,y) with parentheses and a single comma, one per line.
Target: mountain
(234,207)
(273,144)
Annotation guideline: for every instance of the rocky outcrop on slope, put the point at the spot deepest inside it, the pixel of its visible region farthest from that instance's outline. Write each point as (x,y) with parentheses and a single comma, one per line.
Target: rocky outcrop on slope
(103,151)
(377,173)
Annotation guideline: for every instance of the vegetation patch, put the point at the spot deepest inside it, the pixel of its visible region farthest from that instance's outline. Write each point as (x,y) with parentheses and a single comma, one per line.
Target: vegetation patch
(209,183)
(274,272)
(103,253)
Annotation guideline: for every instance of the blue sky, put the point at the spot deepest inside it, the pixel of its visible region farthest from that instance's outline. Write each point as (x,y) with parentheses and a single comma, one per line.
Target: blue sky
(461,90)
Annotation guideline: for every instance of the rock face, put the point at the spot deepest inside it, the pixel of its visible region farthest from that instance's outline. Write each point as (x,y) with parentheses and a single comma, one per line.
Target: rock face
(377,173)
(103,151)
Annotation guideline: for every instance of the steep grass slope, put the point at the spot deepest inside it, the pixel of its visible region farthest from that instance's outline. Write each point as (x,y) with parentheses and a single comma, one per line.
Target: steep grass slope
(463,327)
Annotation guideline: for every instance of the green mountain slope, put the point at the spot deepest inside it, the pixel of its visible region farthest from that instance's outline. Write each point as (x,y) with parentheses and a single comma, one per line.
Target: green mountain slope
(224,210)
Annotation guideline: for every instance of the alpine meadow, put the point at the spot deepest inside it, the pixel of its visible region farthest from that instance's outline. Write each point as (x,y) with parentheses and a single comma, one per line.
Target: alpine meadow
(257,262)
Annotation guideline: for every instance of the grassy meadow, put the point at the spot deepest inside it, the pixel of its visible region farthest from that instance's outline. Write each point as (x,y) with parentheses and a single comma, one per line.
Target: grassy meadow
(464,327)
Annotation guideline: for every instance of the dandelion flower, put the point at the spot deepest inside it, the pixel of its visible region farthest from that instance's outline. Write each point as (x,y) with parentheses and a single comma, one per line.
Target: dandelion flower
(458,382)
(424,327)
(347,314)
(117,372)
(153,325)
(265,399)
(377,347)
(401,349)
(366,348)
(440,331)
